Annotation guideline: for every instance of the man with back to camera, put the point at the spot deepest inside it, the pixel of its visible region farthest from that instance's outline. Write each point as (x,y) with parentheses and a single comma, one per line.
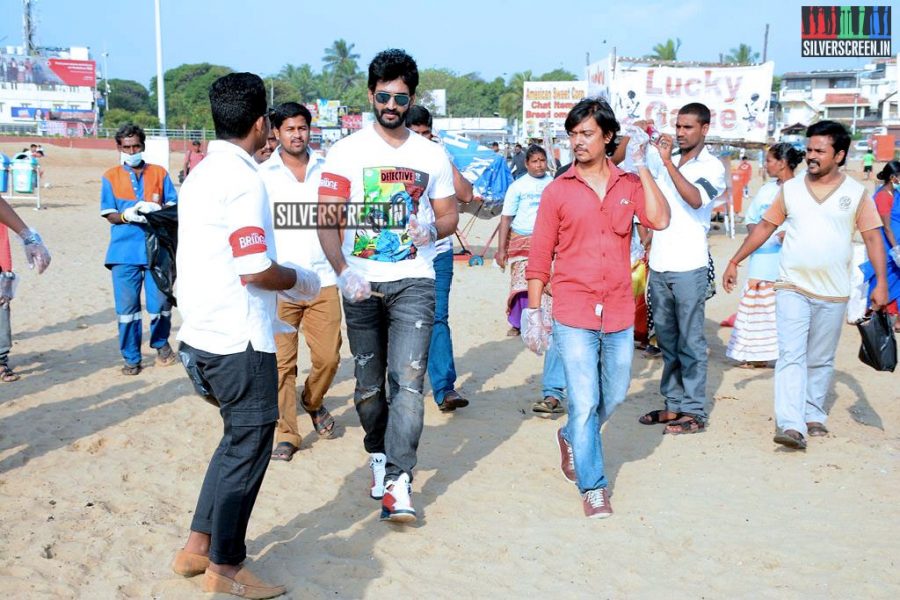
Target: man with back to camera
(820,213)
(386,276)
(679,268)
(292,175)
(227,280)
(127,191)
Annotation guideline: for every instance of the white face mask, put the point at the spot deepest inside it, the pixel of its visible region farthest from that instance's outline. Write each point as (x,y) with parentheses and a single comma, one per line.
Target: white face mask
(132,160)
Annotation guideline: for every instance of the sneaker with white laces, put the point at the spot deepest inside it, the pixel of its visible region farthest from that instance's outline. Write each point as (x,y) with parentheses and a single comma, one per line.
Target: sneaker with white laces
(566,458)
(596,504)
(377,462)
(396,506)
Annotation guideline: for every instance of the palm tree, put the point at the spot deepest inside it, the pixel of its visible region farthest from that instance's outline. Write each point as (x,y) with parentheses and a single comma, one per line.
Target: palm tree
(340,56)
(742,55)
(666,51)
(340,64)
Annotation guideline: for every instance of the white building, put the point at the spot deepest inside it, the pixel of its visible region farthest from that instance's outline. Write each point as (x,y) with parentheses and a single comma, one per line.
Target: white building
(54,92)
(861,96)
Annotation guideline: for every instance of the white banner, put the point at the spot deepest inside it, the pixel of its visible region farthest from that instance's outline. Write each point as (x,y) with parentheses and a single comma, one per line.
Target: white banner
(737,97)
(549,102)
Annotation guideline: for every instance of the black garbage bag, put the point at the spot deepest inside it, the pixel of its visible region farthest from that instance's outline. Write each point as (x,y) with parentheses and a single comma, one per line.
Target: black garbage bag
(162,242)
(878,348)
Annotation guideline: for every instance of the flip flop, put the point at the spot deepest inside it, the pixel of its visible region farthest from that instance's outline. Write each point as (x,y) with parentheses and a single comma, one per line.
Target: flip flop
(322,421)
(814,429)
(653,417)
(284,451)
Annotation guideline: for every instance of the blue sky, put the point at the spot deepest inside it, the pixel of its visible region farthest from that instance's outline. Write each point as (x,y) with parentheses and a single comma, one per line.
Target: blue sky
(491,37)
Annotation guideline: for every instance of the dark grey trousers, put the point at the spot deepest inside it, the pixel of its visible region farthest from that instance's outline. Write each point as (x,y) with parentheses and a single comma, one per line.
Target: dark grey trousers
(679,311)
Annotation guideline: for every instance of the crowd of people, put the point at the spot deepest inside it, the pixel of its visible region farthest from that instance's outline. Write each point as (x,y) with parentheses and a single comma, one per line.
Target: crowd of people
(378,258)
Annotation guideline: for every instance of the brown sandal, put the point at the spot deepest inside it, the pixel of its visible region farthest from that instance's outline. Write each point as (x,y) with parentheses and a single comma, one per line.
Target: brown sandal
(322,421)
(284,451)
(684,425)
(7,375)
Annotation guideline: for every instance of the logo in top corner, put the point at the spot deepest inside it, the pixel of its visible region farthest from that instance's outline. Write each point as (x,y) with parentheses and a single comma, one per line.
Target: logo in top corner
(844,202)
(845,31)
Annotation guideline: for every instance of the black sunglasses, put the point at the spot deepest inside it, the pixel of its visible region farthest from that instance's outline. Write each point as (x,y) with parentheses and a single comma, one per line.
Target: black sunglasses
(385,97)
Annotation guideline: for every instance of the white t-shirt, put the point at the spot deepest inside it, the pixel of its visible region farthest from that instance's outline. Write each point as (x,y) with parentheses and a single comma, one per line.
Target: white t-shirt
(682,245)
(367,170)
(818,233)
(522,200)
(224,231)
(300,247)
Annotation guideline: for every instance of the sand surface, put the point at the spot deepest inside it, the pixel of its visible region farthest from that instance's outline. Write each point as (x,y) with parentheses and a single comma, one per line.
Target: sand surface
(99,472)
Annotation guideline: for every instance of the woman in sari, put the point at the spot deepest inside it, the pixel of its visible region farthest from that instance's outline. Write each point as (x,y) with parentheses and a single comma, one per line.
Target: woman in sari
(754,340)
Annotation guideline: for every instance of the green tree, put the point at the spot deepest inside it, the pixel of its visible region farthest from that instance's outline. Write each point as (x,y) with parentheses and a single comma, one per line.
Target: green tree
(742,55)
(302,79)
(116,117)
(187,94)
(558,75)
(776,83)
(667,50)
(340,66)
(128,95)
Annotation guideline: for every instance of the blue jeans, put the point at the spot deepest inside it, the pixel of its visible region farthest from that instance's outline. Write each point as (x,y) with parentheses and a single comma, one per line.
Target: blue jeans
(554,377)
(808,334)
(392,333)
(598,372)
(441,370)
(127,282)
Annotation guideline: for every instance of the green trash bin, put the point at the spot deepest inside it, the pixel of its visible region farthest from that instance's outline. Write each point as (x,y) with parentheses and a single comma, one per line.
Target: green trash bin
(23,175)
(4,172)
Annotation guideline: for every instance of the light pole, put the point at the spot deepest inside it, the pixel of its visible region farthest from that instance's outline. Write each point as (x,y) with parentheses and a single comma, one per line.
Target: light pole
(106,76)
(160,84)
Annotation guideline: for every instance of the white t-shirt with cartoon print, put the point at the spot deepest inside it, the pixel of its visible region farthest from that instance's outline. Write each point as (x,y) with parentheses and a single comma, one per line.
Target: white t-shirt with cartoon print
(368,171)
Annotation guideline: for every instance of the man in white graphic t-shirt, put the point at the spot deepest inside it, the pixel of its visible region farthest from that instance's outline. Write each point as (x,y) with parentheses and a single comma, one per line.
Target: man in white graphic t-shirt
(395,189)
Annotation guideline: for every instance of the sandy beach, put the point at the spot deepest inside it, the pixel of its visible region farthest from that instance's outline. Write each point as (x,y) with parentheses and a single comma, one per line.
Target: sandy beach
(99,472)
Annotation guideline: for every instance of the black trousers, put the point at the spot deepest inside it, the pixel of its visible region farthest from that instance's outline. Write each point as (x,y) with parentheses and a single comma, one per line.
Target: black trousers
(246,386)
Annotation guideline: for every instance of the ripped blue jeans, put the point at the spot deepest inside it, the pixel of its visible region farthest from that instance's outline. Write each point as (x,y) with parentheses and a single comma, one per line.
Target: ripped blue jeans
(391,335)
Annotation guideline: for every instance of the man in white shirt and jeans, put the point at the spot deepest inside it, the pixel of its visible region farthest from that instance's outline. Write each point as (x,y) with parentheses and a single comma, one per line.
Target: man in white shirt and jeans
(227,280)
(679,259)
(385,272)
(292,177)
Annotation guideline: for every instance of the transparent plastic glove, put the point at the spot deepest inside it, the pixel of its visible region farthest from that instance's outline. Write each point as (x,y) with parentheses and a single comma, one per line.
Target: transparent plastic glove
(637,145)
(421,234)
(35,251)
(131,215)
(144,207)
(895,255)
(306,288)
(354,286)
(8,284)
(535,333)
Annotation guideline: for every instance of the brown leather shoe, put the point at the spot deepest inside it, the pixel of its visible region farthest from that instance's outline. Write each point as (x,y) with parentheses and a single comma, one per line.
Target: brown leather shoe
(244,584)
(188,564)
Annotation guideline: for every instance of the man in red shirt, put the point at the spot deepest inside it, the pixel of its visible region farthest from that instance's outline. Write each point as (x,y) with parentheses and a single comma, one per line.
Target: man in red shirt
(583,227)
